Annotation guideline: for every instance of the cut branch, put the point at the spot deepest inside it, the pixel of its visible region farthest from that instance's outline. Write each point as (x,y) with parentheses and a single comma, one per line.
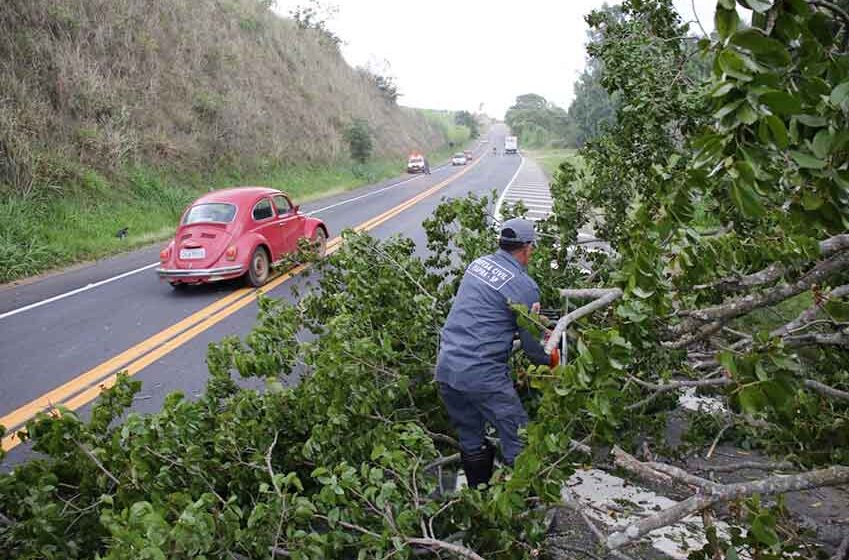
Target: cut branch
(97,462)
(737,283)
(437,544)
(842,550)
(442,461)
(826,390)
(602,298)
(810,313)
(704,322)
(832,476)
(819,339)
(779,466)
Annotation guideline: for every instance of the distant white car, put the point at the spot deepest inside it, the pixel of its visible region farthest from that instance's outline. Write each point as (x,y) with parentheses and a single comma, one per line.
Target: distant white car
(459,159)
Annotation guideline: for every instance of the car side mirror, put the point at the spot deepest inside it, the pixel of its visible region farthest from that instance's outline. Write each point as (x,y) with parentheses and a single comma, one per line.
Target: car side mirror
(295,208)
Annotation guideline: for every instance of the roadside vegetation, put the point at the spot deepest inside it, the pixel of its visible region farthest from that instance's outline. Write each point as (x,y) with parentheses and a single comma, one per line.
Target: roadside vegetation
(117,113)
(551,158)
(725,206)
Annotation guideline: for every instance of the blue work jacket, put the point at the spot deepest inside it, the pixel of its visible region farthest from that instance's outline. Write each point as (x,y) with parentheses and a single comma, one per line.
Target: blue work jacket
(478,336)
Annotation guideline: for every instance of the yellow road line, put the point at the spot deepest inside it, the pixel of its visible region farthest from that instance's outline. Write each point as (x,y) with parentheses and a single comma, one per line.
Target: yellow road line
(86,387)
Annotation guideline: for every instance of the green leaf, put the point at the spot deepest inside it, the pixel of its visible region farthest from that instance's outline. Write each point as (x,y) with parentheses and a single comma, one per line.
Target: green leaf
(722,89)
(726,21)
(838,310)
(840,94)
(641,293)
(807,161)
(726,360)
(751,399)
(822,143)
(746,199)
(781,102)
(759,6)
(746,114)
(728,4)
(731,553)
(733,65)
(727,109)
(777,130)
(765,48)
(813,121)
(763,527)
(811,201)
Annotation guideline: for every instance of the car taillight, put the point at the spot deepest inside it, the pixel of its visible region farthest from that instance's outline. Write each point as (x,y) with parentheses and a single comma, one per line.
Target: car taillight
(230,253)
(164,254)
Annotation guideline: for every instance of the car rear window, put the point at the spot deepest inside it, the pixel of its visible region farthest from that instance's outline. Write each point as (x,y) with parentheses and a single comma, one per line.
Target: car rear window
(210,212)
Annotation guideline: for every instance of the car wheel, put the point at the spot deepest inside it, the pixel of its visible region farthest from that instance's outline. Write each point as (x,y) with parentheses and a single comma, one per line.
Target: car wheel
(179,286)
(259,268)
(319,242)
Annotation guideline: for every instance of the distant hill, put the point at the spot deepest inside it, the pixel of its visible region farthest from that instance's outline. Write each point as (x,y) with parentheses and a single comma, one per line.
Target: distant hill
(182,84)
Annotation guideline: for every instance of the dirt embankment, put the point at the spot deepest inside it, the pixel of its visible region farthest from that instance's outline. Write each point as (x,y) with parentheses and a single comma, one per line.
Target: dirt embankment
(184,84)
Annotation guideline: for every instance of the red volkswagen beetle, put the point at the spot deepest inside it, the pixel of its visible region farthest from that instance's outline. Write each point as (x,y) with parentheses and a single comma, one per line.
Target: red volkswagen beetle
(236,232)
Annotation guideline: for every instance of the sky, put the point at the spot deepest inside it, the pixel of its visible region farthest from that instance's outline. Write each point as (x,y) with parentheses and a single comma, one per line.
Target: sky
(474,54)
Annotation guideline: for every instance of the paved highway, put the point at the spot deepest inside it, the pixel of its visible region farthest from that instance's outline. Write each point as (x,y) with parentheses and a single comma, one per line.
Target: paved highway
(65,335)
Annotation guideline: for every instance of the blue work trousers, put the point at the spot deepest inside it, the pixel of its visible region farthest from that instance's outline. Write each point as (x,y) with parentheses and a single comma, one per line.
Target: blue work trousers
(469,411)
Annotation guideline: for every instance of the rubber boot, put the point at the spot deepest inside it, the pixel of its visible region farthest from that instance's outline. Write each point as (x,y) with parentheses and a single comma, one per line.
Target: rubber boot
(478,465)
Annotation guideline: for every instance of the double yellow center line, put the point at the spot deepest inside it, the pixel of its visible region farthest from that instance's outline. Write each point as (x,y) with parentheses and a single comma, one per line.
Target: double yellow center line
(84,388)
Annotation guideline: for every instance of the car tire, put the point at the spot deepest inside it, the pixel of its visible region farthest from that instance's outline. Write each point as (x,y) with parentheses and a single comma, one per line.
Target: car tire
(259,268)
(179,286)
(319,242)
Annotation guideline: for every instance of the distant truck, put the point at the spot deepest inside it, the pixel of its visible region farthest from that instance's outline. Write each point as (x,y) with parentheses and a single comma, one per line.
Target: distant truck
(417,163)
(511,144)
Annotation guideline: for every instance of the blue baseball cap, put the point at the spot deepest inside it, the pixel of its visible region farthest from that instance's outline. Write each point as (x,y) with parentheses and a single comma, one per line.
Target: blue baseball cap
(518,230)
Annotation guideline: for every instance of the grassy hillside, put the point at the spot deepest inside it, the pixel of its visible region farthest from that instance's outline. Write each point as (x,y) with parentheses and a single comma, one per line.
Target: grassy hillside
(118,112)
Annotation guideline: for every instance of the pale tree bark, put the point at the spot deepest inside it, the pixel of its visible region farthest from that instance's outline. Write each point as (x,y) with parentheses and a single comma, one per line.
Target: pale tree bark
(602,298)
(712,494)
(701,323)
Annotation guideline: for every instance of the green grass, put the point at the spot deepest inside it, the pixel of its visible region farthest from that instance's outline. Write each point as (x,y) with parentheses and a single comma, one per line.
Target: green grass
(455,133)
(78,222)
(550,158)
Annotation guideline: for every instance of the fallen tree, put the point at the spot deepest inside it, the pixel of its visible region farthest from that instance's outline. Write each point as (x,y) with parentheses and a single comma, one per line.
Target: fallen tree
(723,191)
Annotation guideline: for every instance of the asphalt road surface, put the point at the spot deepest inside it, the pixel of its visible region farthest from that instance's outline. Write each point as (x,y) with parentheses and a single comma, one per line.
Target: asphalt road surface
(64,336)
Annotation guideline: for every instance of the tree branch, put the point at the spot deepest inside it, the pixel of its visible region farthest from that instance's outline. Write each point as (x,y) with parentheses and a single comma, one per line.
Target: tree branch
(779,466)
(6,521)
(842,550)
(832,476)
(704,322)
(838,11)
(97,462)
(826,390)
(810,313)
(443,545)
(571,501)
(819,339)
(602,298)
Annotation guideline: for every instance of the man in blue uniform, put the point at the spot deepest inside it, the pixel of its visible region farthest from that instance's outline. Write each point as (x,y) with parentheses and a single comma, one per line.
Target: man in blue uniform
(472,372)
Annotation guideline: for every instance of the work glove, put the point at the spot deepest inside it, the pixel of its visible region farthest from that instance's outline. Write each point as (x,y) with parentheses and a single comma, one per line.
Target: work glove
(555,358)
(555,353)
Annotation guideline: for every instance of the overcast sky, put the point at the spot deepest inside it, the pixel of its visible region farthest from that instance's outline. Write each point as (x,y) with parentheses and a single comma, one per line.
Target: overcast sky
(450,54)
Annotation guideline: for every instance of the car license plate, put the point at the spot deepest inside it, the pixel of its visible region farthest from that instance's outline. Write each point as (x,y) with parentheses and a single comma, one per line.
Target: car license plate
(187,254)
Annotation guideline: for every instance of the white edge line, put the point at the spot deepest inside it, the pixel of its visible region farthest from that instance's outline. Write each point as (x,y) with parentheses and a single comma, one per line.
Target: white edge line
(146,267)
(497,211)
(77,291)
(368,194)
